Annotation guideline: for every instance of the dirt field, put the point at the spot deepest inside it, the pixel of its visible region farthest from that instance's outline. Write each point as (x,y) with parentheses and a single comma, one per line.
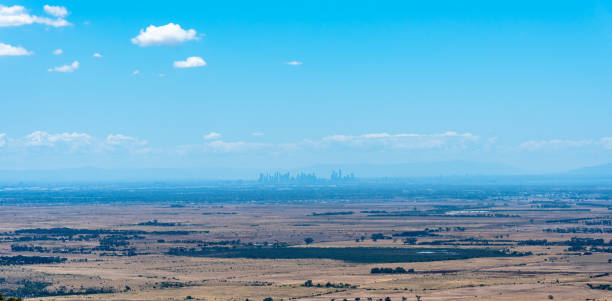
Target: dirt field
(542,270)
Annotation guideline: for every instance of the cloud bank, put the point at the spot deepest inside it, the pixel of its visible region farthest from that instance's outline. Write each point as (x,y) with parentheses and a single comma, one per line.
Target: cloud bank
(534,145)
(69,142)
(77,147)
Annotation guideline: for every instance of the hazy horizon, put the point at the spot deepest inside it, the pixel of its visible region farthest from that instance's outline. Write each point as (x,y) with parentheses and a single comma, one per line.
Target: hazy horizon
(435,172)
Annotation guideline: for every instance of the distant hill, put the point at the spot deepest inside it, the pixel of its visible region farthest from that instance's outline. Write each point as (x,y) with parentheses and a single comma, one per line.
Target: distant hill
(594,171)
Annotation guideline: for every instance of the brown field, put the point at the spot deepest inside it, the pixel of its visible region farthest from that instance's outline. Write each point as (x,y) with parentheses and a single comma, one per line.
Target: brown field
(551,270)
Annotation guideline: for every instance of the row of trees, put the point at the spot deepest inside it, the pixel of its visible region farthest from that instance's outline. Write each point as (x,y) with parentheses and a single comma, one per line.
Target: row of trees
(308,283)
(21,260)
(397,270)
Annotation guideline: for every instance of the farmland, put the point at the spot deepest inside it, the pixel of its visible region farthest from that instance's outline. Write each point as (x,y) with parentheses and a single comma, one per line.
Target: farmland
(431,243)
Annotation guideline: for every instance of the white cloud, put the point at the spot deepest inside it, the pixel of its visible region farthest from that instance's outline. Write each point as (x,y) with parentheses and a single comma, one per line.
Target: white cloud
(257,134)
(606,142)
(97,55)
(555,143)
(58,51)
(11,10)
(404,141)
(17,15)
(72,142)
(169,34)
(190,62)
(219,146)
(338,138)
(65,68)
(376,135)
(42,138)
(116,139)
(534,145)
(212,136)
(113,141)
(365,142)
(56,11)
(294,63)
(136,72)
(8,50)
(52,22)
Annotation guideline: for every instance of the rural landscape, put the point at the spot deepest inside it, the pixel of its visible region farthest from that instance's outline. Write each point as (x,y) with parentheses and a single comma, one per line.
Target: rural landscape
(308,150)
(324,242)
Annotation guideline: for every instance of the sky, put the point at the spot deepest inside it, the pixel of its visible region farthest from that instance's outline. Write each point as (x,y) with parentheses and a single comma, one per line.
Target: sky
(290,84)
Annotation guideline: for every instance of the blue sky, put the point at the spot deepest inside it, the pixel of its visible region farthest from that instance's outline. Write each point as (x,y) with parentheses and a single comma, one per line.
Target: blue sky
(285,84)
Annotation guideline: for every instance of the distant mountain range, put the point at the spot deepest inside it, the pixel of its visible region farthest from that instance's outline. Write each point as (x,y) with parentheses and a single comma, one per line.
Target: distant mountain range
(454,171)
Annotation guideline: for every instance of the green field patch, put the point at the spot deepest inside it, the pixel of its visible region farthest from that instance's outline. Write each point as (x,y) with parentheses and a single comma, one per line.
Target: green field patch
(358,255)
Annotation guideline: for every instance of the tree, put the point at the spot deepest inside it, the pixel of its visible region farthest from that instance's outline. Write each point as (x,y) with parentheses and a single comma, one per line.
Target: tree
(308,240)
